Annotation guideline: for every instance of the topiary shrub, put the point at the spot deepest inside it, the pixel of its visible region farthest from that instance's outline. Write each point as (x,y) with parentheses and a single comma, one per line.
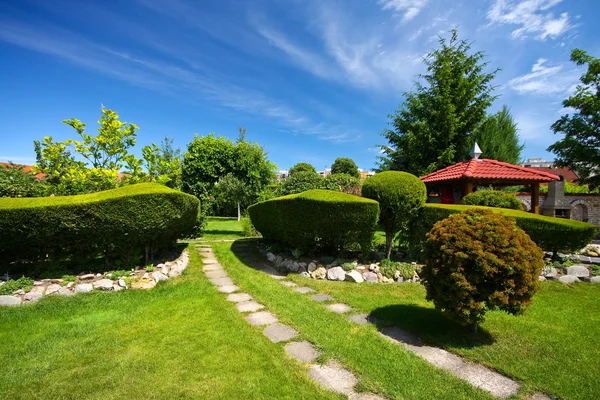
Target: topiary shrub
(317,219)
(400,195)
(551,234)
(478,261)
(493,198)
(120,224)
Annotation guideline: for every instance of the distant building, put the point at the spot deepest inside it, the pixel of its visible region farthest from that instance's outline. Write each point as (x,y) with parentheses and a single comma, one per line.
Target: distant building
(283,174)
(537,163)
(567,174)
(325,172)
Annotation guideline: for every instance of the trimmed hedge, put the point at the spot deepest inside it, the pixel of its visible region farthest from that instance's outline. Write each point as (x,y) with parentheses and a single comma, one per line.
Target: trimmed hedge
(317,218)
(124,224)
(493,198)
(551,234)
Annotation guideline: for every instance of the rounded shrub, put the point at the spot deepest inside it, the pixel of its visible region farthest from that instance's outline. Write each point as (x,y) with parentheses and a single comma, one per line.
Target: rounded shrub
(117,224)
(317,219)
(478,261)
(493,198)
(400,195)
(298,183)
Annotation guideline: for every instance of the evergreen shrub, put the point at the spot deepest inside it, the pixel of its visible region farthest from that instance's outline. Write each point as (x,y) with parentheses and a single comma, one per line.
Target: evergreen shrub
(493,198)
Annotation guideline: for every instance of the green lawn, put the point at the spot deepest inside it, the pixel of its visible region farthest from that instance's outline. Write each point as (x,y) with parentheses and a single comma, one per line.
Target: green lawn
(181,339)
(554,348)
(222,228)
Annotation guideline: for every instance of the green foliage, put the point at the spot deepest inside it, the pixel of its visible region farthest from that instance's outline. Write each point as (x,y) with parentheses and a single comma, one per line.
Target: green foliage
(493,198)
(342,183)
(498,138)
(248,229)
(199,226)
(432,128)
(317,219)
(233,190)
(551,234)
(68,278)
(163,163)
(298,183)
(209,159)
(13,285)
(345,165)
(302,167)
(150,268)
(120,224)
(400,195)
(479,261)
(15,182)
(579,149)
(388,269)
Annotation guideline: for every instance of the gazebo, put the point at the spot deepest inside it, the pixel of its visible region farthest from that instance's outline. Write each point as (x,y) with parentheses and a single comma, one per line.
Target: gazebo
(452,183)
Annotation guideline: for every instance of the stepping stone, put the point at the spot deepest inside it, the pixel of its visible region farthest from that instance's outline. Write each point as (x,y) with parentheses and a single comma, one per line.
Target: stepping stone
(360,319)
(206,261)
(333,377)
(249,306)
(221,281)
(304,289)
(212,267)
(228,288)
(339,308)
(261,318)
(216,274)
(239,297)
(540,396)
(280,333)
(398,334)
(365,396)
(302,351)
(321,297)
(288,283)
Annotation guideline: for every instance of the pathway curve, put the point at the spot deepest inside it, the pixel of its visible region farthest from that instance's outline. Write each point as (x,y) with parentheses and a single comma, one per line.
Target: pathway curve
(331,376)
(477,375)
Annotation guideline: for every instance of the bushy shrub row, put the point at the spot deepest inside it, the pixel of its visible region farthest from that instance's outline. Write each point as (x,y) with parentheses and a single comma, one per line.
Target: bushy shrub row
(493,198)
(551,234)
(120,224)
(317,218)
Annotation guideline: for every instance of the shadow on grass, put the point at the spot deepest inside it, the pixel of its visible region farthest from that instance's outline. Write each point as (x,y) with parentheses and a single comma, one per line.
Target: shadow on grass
(221,232)
(430,325)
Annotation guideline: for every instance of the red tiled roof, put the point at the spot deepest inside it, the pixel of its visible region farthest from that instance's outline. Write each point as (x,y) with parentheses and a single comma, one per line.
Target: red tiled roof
(488,169)
(26,168)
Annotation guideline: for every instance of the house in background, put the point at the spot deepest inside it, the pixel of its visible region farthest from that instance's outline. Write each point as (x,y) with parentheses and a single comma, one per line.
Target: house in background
(567,174)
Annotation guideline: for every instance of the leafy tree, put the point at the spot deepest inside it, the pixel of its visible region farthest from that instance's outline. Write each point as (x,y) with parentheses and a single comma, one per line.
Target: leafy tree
(432,128)
(252,166)
(163,164)
(302,167)
(579,150)
(498,138)
(298,183)
(345,165)
(234,190)
(16,182)
(342,183)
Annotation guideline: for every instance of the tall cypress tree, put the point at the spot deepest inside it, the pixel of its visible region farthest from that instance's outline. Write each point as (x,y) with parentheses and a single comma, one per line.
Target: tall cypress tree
(498,137)
(433,127)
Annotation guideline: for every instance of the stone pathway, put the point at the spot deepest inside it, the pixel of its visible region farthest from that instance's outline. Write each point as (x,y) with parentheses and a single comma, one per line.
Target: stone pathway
(330,376)
(334,377)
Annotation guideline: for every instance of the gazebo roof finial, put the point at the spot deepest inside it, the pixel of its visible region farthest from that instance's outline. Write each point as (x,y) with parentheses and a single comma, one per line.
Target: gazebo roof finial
(476,152)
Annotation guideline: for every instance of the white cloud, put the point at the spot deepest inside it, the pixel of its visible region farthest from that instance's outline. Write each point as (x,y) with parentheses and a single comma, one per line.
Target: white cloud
(545,80)
(407,8)
(533,17)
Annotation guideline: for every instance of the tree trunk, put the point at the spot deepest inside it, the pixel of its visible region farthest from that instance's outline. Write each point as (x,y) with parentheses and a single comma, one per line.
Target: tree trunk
(389,239)
(239,217)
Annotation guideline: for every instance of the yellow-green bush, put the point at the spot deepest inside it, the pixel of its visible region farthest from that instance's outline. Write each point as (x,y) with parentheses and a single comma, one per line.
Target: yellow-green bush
(117,223)
(317,219)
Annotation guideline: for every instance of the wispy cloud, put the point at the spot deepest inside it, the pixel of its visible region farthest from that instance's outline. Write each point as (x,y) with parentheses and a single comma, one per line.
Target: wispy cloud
(546,80)
(407,9)
(533,17)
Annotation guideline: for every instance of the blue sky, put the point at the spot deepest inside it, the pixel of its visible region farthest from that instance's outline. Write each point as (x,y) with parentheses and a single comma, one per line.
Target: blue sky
(310,80)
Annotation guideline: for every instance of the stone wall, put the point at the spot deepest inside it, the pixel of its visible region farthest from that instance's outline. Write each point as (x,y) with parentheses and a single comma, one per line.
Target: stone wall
(585,207)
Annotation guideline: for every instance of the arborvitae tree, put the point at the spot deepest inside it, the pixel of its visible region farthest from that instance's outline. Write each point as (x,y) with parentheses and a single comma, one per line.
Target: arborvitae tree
(498,138)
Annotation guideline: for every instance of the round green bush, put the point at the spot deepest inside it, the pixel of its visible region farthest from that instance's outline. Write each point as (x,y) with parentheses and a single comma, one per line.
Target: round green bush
(298,183)
(121,224)
(493,198)
(400,195)
(478,261)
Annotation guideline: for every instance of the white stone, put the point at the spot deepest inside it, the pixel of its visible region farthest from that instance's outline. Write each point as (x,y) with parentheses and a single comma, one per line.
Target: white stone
(305,274)
(568,279)
(52,289)
(541,278)
(311,267)
(9,301)
(370,277)
(319,273)
(32,296)
(117,288)
(159,276)
(83,288)
(70,285)
(595,279)
(333,377)
(98,275)
(103,284)
(122,283)
(550,272)
(354,276)
(86,277)
(176,270)
(65,292)
(336,274)
(579,271)
(164,270)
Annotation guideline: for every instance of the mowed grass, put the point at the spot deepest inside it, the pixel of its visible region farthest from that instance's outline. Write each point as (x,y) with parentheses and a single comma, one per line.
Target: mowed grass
(181,339)
(554,348)
(382,367)
(222,228)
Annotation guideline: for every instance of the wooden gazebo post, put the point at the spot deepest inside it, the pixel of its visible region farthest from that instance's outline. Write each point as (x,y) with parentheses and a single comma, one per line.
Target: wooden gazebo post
(535,198)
